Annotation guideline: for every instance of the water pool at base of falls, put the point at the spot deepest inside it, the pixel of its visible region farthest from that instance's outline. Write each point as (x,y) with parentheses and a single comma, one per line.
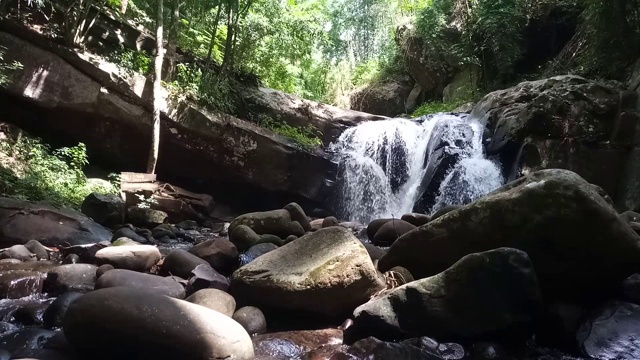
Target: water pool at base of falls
(392,167)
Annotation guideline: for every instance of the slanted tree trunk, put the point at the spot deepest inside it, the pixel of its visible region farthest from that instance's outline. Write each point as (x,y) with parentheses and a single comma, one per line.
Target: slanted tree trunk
(228,47)
(172,45)
(212,47)
(157,88)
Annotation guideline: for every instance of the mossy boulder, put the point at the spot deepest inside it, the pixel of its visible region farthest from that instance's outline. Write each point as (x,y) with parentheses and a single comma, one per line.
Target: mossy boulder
(274,222)
(579,246)
(485,293)
(328,272)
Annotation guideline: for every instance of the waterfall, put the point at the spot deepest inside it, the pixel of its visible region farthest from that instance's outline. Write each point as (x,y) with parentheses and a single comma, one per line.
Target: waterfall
(392,167)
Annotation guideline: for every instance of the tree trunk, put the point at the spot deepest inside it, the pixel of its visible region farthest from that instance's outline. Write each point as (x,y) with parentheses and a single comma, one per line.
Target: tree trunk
(157,88)
(82,21)
(228,47)
(123,6)
(212,47)
(172,46)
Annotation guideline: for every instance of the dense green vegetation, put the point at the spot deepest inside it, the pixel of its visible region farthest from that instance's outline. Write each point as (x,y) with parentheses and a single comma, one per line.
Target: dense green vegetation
(31,170)
(306,137)
(436,107)
(325,50)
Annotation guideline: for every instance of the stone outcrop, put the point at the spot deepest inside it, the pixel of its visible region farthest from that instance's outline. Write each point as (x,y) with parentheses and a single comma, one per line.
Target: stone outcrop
(484,293)
(579,246)
(387,98)
(295,111)
(432,73)
(22,221)
(81,97)
(566,122)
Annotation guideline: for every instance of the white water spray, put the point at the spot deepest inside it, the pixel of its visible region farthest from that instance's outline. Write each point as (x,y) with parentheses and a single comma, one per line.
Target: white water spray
(383,165)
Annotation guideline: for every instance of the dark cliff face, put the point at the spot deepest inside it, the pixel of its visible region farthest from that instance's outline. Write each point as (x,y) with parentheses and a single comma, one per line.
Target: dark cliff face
(567,122)
(68,98)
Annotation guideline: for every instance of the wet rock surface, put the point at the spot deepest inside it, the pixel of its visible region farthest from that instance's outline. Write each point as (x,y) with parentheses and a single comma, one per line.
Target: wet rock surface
(612,332)
(545,209)
(22,221)
(486,293)
(131,279)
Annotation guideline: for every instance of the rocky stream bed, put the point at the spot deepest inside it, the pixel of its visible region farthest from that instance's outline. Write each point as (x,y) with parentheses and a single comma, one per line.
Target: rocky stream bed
(542,268)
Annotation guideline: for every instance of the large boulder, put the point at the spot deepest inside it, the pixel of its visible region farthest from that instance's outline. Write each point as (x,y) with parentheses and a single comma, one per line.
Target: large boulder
(485,293)
(432,72)
(243,159)
(391,231)
(220,253)
(53,315)
(328,273)
(22,221)
(593,250)
(126,278)
(330,121)
(385,98)
(450,141)
(181,263)
(71,277)
(298,214)
(275,222)
(105,209)
(130,257)
(564,122)
(99,325)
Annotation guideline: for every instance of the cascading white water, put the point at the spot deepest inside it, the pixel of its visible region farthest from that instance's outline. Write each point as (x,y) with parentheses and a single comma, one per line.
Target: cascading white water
(382,165)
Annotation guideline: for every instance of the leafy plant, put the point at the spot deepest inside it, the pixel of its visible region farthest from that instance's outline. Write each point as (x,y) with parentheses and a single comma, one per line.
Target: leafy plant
(6,68)
(212,90)
(31,170)
(305,136)
(133,61)
(436,107)
(145,202)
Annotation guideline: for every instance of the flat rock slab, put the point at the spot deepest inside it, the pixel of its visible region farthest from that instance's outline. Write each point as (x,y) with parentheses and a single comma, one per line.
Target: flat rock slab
(22,221)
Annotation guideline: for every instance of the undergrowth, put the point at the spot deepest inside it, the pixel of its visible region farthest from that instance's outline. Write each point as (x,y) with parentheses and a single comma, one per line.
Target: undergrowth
(31,170)
(305,136)
(132,61)
(437,107)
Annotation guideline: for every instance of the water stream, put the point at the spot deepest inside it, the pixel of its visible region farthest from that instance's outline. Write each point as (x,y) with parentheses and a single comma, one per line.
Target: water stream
(392,167)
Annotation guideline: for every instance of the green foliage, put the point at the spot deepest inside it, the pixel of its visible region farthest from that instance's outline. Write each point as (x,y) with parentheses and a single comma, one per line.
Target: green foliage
(213,91)
(484,33)
(306,137)
(436,107)
(133,61)
(31,170)
(612,36)
(365,73)
(6,68)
